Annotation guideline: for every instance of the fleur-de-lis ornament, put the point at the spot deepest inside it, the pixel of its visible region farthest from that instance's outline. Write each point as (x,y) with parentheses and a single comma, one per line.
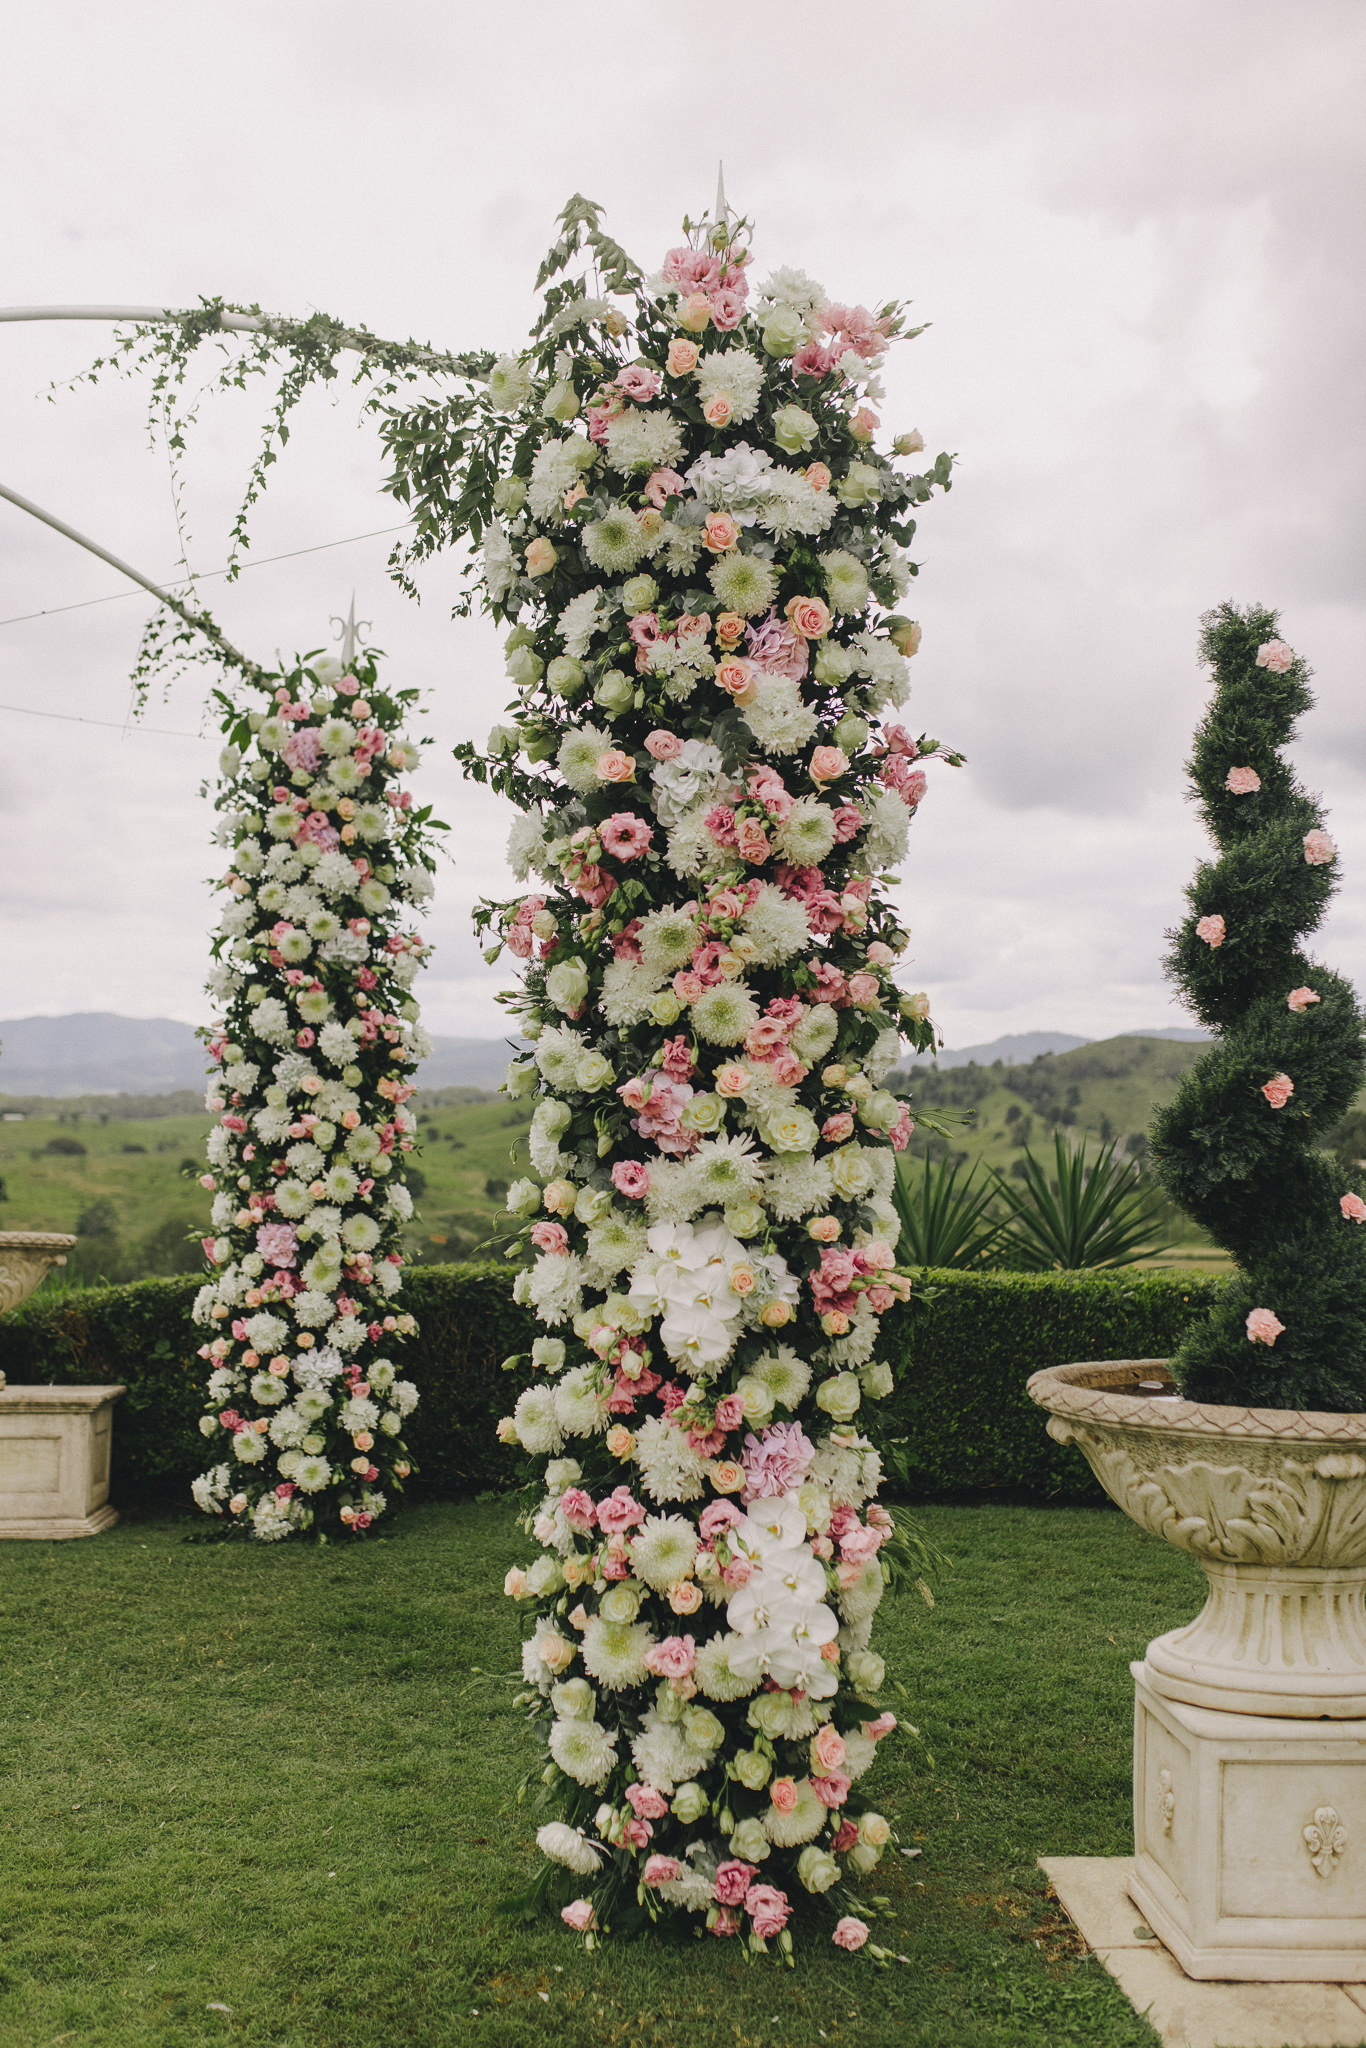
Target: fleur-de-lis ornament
(1325,1837)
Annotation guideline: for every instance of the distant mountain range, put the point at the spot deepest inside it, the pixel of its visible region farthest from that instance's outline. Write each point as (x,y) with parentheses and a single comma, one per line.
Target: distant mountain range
(96,1053)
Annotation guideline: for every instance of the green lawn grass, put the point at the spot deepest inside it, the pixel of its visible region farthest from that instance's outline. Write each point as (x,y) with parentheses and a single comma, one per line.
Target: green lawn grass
(284,1782)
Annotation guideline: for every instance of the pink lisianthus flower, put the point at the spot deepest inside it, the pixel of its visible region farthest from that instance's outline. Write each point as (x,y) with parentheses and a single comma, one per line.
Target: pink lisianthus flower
(727,308)
(833,1788)
(730,1413)
(1263,1326)
(768,1910)
(845,1836)
(1353,1208)
(1275,655)
(1243,781)
(693,269)
(1319,849)
(850,1932)
(876,1730)
(659,1869)
(1278,1090)
(848,823)
(549,1237)
(579,1915)
(278,1244)
(639,384)
(625,836)
(900,1133)
(1301,998)
(663,484)
(637,1832)
(1212,930)
(727,1921)
(647,1802)
(717,1517)
(732,1881)
(631,1179)
(675,1657)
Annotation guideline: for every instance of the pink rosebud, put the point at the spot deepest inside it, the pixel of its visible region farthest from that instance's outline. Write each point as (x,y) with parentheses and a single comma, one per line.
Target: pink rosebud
(1278,1090)
(1275,655)
(1211,930)
(1301,998)
(614,766)
(1243,781)
(1319,849)
(579,1915)
(1353,1208)
(1263,1326)
(849,1932)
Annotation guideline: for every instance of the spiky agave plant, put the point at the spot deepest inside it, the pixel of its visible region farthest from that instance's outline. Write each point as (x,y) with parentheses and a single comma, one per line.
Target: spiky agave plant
(1238,1147)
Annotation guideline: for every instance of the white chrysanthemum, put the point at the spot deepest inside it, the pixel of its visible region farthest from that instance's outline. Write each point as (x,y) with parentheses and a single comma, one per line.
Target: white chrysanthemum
(210,1488)
(846,581)
(680,546)
(851,1472)
(614,1652)
(806,835)
(694,1890)
(270,1020)
(884,1054)
(562,1844)
(787,1377)
(884,843)
(556,1052)
(888,671)
(312,1474)
(266,1332)
(724,1015)
(731,373)
(662,1550)
(526,844)
(692,850)
(637,439)
(537,1424)
(287,1429)
(663,1757)
(790,506)
(556,1286)
(815,1033)
(616,1241)
(580,750)
(584,1750)
(667,939)
(615,542)
(714,1676)
(858,1603)
(724,1170)
(674,1196)
(792,289)
(796,1188)
(555,470)
(859,1343)
(778,718)
(859,1752)
(778,924)
(271,1519)
(581,1402)
(743,583)
(803,1824)
(498,561)
(670,1468)
(628,990)
(581,618)
(346,1334)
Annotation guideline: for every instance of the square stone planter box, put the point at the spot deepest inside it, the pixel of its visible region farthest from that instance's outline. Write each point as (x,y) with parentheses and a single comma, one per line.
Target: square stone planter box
(54,1461)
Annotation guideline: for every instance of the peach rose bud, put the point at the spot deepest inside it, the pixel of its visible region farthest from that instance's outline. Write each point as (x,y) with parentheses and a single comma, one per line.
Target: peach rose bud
(614,766)
(719,532)
(1212,930)
(1278,1090)
(694,312)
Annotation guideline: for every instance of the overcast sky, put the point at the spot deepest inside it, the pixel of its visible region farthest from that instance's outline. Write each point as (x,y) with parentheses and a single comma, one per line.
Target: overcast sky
(1135,228)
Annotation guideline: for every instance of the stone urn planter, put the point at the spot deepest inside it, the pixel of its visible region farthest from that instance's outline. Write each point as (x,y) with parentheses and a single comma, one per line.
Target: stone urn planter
(1250,1722)
(54,1441)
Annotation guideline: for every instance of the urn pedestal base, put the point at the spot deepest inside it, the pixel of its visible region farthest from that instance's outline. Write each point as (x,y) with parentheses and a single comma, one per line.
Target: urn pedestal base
(1250,1840)
(54,1461)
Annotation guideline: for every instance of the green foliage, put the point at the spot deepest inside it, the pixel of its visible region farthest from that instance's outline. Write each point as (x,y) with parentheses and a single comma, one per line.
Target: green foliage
(943,1224)
(1086,1216)
(959,1424)
(1246,1171)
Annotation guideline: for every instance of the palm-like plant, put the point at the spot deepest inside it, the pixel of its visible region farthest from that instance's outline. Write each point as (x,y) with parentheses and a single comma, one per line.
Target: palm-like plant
(1092,1215)
(943,1224)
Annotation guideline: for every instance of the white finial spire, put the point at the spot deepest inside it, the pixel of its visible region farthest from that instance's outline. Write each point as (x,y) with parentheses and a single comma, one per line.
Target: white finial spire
(348,651)
(722,209)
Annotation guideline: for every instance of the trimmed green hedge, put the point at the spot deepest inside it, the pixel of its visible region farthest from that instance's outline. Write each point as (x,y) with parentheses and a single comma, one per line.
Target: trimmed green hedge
(960,1425)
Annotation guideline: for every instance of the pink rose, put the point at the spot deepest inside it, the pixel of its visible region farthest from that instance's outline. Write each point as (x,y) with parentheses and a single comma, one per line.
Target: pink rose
(660,1869)
(1353,1208)
(1211,930)
(1301,998)
(783,1793)
(1243,781)
(675,1657)
(614,766)
(1263,1326)
(663,745)
(768,1909)
(752,840)
(1275,655)
(719,532)
(550,1237)
(732,1882)
(730,1081)
(809,616)
(827,1747)
(681,360)
(579,1915)
(864,990)
(736,677)
(850,1933)
(717,411)
(828,764)
(1278,1090)
(1319,849)
(631,1179)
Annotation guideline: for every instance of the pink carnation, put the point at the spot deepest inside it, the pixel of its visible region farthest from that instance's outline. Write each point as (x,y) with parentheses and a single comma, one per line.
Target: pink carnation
(1353,1208)
(768,1909)
(1243,781)
(1319,849)
(1211,930)
(646,1802)
(619,1511)
(1263,1326)
(577,1509)
(732,1882)
(631,1179)
(850,1933)
(1278,1090)
(1275,655)
(1301,998)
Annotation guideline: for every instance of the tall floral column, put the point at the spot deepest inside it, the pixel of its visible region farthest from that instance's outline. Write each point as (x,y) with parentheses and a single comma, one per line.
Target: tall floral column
(698,547)
(313,1061)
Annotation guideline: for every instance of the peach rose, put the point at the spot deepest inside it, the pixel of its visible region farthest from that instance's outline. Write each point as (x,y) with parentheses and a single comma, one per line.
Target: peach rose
(719,532)
(662,745)
(694,312)
(751,840)
(1353,1208)
(828,764)
(620,1442)
(730,627)
(783,1793)
(716,412)
(1278,1090)
(540,557)
(614,766)
(825,1229)
(727,1476)
(557,1653)
(1212,930)
(1263,1326)
(827,1748)
(736,678)
(818,476)
(742,1280)
(731,1081)
(864,424)
(809,616)
(1301,998)
(775,1315)
(514,1585)
(685,1597)
(682,357)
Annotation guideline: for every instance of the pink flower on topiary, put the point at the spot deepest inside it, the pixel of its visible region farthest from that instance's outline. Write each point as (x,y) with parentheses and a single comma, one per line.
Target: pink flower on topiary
(1319,849)
(1243,781)
(1211,930)
(1278,1090)
(850,1933)
(1275,655)
(1263,1326)
(1353,1208)
(768,1909)
(1301,998)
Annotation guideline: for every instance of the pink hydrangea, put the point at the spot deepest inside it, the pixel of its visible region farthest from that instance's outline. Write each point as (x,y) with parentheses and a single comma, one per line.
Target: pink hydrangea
(1263,1326)
(1212,930)
(303,749)
(1243,781)
(777,1461)
(278,1244)
(1319,849)
(1275,655)
(774,649)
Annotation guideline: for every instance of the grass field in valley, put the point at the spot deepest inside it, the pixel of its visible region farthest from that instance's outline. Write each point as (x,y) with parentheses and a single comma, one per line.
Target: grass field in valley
(269,1797)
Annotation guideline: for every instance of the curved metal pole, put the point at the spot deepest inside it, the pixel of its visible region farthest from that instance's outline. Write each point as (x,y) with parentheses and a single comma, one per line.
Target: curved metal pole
(199,620)
(234,323)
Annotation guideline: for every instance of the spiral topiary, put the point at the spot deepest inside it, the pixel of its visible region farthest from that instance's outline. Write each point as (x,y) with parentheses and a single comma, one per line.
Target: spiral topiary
(1238,1146)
